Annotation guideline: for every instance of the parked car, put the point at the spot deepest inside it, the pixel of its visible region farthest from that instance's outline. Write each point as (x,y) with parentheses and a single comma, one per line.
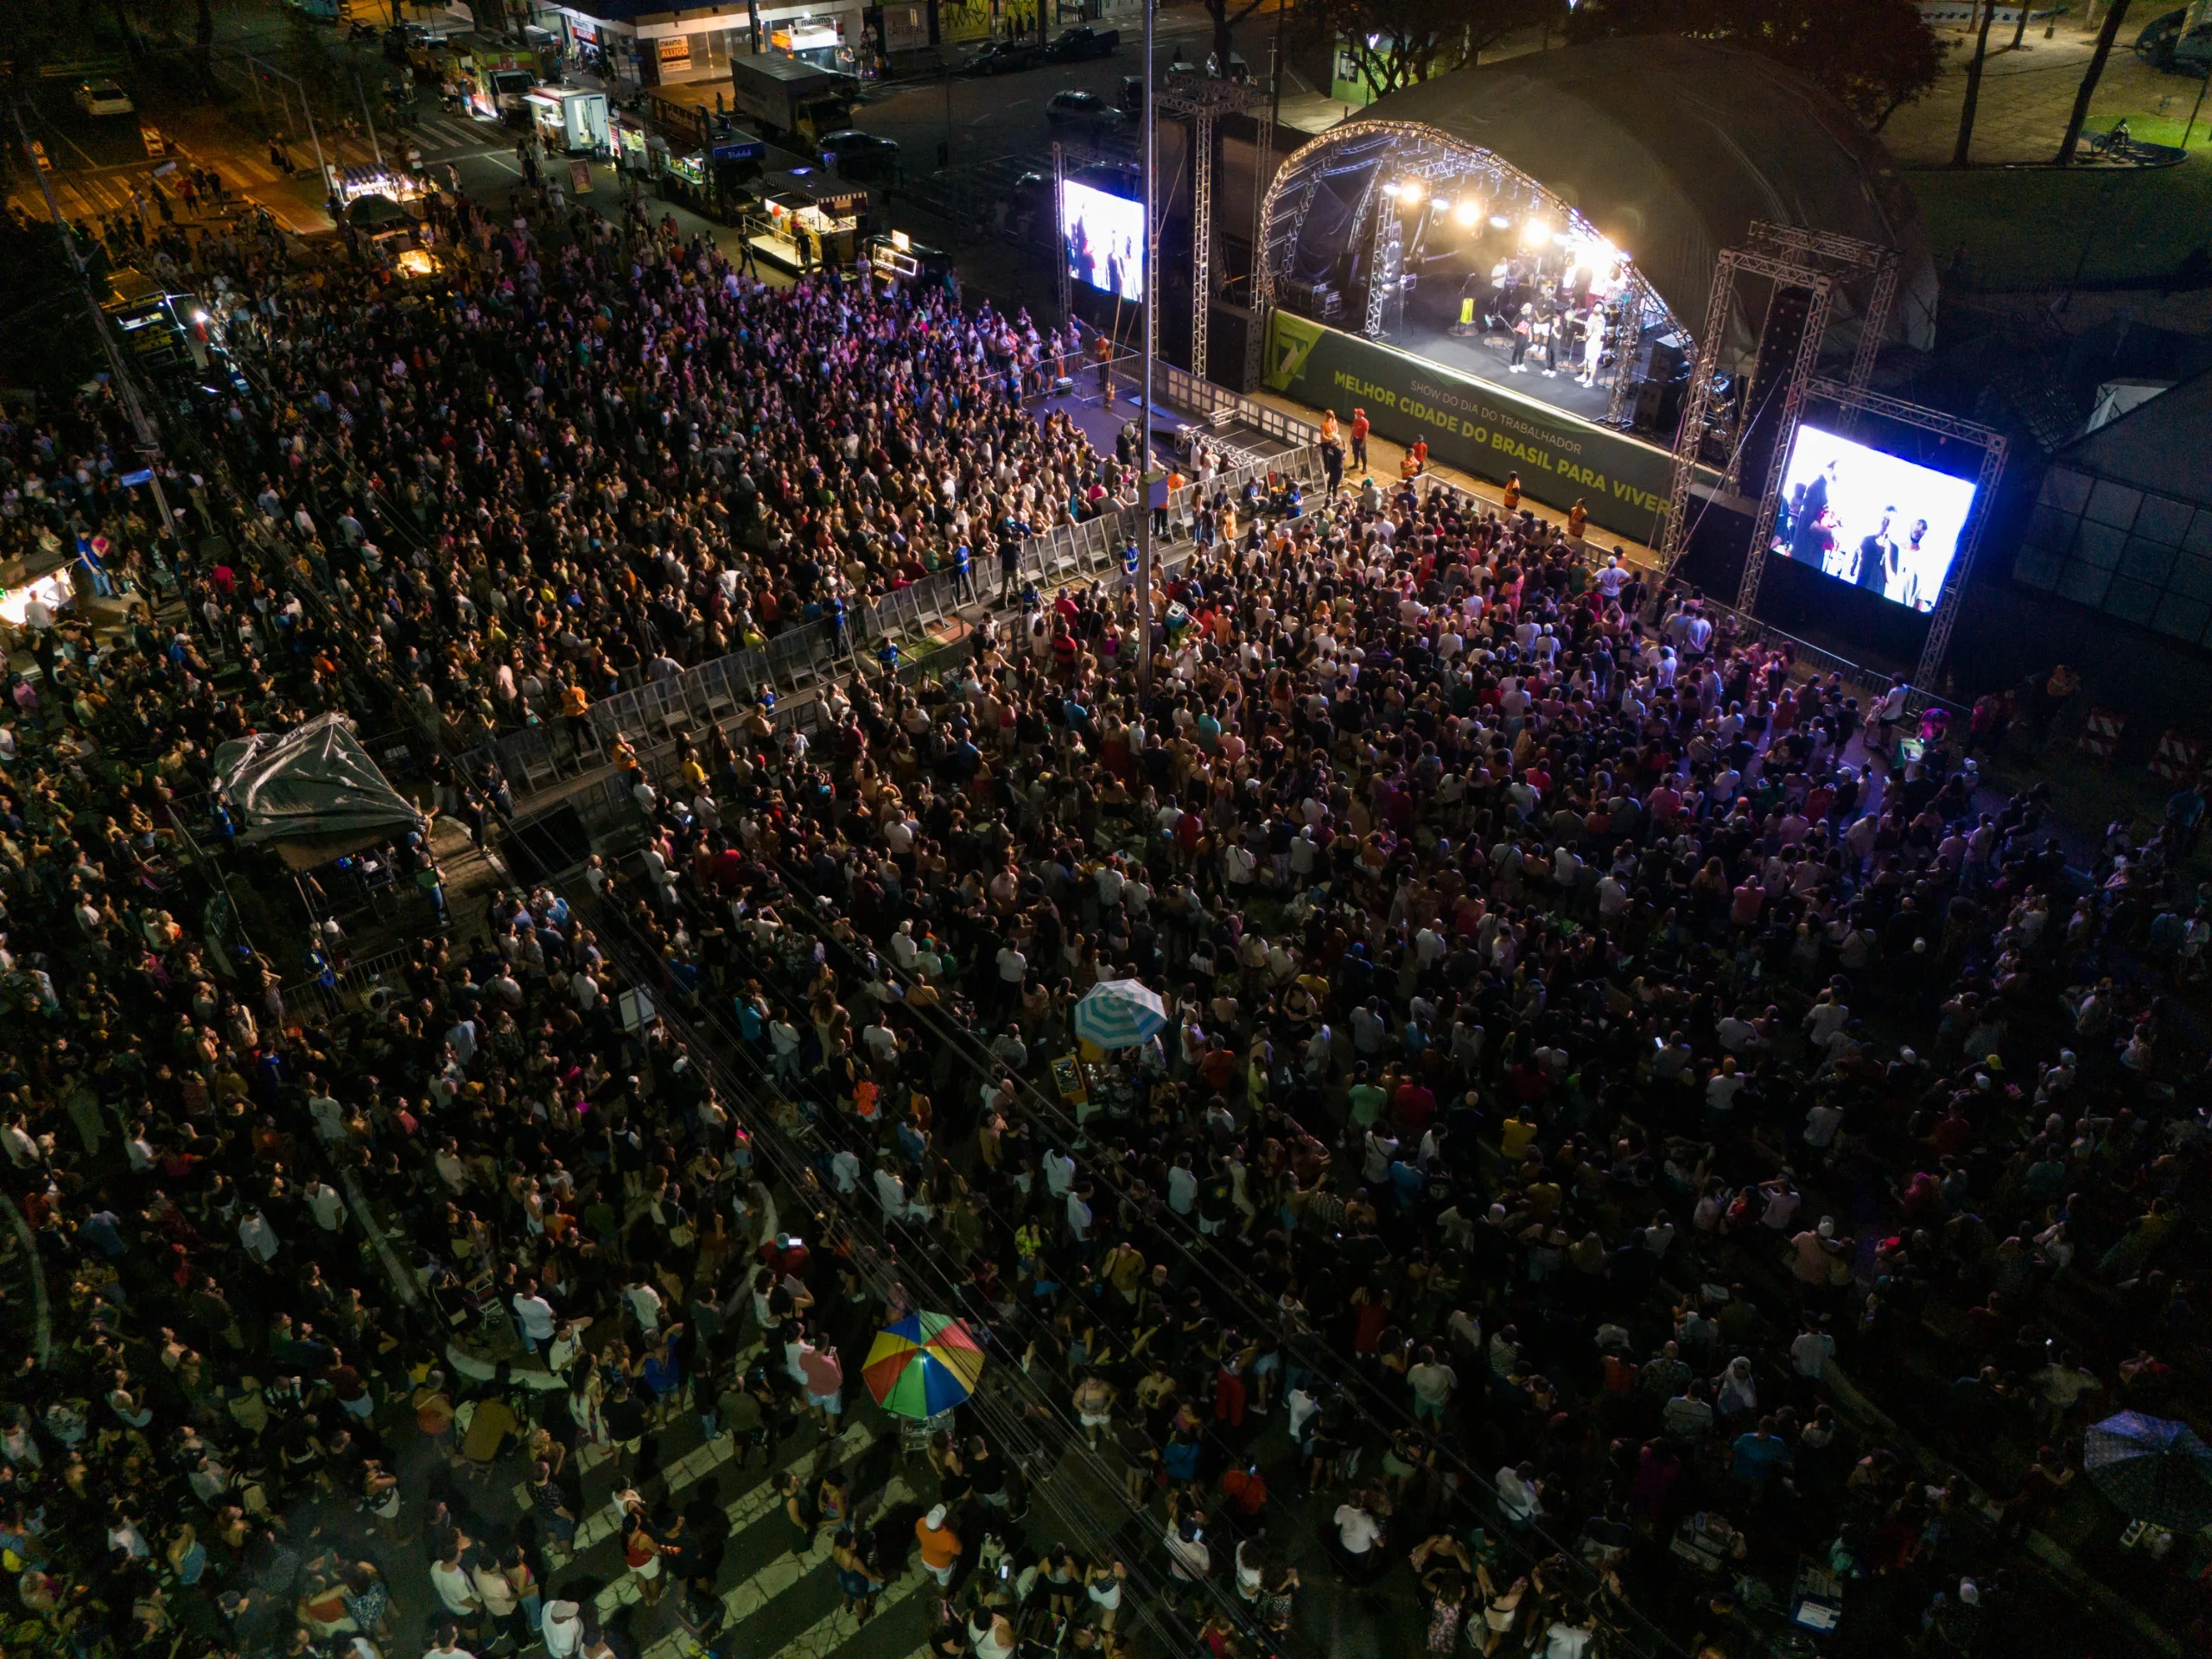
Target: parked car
(1082,44)
(856,155)
(1002,57)
(1085,114)
(104,98)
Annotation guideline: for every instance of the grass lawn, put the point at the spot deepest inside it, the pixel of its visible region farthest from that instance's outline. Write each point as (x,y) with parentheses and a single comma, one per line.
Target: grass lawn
(2165,129)
(2033,227)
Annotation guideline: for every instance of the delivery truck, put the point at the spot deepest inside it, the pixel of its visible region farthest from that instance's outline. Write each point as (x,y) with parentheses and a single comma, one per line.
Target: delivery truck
(786,98)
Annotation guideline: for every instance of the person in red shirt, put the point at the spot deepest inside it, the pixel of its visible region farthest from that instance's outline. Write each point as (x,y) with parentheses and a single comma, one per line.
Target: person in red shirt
(1188,830)
(1954,1135)
(1246,1489)
(1414,1104)
(1359,430)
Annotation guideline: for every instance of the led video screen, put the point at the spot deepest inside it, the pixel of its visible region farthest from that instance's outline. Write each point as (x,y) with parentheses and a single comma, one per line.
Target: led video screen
(1888,526)
(1102,238)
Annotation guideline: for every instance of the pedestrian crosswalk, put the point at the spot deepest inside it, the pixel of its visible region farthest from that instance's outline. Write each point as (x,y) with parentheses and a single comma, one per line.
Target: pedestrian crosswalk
(786,1595)
(444,135)
(825,1635)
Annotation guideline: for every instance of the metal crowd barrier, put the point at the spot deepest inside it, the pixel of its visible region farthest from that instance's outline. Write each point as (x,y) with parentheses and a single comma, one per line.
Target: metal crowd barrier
(1205,398)
(650,716)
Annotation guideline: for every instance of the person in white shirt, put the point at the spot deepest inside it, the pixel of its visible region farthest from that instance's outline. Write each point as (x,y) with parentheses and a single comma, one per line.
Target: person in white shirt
(563,1623)
(1520,1494)
(456,1591)
(533,1315)
(326,1206)
(1722,1088)
(1059,1172)
(583,990)
(645,1304)
(1359,1534)
(24,1151)
(258,1237)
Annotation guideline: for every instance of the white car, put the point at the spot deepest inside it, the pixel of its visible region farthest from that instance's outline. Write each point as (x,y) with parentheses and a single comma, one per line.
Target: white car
(104,98)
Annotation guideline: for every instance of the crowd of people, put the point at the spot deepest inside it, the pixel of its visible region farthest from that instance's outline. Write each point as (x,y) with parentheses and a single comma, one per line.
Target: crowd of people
(1594,1061)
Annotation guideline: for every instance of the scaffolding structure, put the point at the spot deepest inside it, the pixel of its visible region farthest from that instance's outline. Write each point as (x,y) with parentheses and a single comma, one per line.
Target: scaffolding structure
(1387,198)
(1785,256)
(1202,101)
(1630,315)
(1063,291)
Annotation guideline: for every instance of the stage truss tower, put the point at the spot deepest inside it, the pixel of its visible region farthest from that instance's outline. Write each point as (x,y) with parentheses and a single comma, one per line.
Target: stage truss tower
(1785,256)
(1202,101)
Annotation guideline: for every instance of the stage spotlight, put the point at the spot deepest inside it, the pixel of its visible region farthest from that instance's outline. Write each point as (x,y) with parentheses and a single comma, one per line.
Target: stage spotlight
(1391,191)
(1465,214)
(1536,233)
(1500,222)
(1410,193)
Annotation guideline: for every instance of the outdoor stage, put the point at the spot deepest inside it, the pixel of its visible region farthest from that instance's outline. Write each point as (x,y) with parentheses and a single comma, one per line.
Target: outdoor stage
(1495,426)
(1433,309)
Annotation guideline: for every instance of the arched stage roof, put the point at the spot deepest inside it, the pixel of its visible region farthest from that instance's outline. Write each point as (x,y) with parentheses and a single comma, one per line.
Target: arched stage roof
(1670,148)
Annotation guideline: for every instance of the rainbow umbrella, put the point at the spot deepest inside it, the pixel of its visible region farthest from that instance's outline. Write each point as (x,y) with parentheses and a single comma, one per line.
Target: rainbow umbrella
(925,1363)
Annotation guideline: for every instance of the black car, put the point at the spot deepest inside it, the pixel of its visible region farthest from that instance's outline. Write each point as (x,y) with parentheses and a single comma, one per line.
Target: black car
(1003,57)
(1081,45)
(856,155)
(1085,113)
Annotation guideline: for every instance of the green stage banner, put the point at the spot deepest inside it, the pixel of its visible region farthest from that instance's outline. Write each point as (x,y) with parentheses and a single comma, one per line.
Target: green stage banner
(1473,425)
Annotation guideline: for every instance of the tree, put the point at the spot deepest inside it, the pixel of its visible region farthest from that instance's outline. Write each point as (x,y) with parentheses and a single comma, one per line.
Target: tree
(1876,56)
(2088,89)
(1394,43)
(1973,101)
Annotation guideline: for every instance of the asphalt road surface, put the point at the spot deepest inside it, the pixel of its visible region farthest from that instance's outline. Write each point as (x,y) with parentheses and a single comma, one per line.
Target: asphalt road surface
(984,116)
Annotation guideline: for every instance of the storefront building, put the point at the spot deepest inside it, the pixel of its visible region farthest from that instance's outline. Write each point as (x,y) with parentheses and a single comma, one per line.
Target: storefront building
(652,46)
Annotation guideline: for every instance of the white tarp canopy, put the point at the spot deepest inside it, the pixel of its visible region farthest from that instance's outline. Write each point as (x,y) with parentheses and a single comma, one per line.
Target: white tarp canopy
(312,789)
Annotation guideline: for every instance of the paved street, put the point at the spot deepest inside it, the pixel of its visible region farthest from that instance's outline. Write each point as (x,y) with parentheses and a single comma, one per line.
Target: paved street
(999,115)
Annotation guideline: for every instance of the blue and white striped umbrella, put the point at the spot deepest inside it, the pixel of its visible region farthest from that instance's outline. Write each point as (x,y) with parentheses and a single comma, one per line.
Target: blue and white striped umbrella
(1119,1013)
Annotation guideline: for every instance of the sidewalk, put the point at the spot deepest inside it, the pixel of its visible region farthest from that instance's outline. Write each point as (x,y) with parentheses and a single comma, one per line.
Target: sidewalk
(2027,95)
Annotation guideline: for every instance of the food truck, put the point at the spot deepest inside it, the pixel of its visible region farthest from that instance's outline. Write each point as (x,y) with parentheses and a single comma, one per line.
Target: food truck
(570,120)
(718,181)
(812,218)
(497,78)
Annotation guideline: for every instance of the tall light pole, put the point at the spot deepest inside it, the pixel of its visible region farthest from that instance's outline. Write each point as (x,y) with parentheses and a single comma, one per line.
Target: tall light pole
(1145,550)
(314,138)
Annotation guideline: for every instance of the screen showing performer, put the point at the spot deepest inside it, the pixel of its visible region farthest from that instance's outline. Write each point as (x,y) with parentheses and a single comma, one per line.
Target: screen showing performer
(1864,517)
(1101,237)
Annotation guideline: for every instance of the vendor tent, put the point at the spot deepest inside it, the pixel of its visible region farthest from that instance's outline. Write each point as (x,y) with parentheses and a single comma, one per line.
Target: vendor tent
(312,791)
